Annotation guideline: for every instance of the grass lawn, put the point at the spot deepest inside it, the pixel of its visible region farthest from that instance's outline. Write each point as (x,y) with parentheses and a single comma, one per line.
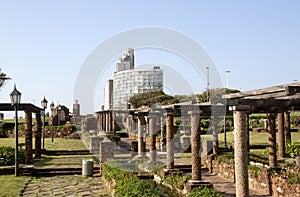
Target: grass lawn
(63,161)
(12,185)
(255,138)
(58,144)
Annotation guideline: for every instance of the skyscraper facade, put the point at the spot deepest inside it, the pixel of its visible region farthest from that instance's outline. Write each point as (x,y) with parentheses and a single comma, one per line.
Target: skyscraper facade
(127,82)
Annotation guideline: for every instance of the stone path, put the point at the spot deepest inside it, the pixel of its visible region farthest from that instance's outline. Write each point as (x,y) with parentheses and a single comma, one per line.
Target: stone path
(223,185)
(67,186)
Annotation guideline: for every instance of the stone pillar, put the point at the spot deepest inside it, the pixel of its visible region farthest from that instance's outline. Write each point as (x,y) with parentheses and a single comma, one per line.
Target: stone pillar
(281,138)
(287,126)
(134,123)
(112,125)
(248,132)
(28,137)
(215,121)
(102,121)
(170,141)
(38,136)
(152,133)
(162,134)
(141,131)
(240,150)
(107,129)
(272,140)
(129,124)
(196,141)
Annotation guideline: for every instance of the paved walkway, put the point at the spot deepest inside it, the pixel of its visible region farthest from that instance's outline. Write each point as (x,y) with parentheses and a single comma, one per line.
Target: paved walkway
(223,185)
(66,186)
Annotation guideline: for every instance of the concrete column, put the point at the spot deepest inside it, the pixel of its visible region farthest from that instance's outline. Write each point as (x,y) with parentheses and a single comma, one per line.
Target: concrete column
(129,124)
(112,121)
(38,136)
(272,140)
(240,150)
(162,134)
(103,126)
(107,122)
(287,126)
(28,137)
(170,141)
(141,131)
(248,132)
(196,141)
(281,138)
(153,129)
(215,121)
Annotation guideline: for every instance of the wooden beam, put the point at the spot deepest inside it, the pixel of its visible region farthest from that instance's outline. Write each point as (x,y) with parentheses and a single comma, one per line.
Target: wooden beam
(265,91)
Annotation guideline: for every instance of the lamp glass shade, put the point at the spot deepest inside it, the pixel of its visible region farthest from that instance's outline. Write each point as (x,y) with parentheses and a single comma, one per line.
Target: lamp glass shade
(15,96)
(44,103)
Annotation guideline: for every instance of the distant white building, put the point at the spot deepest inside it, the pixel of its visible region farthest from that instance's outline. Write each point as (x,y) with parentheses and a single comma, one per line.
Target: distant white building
(127,81)
(130,82)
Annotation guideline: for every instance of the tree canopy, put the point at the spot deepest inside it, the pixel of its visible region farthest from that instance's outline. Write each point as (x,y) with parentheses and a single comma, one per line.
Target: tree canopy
(3,78)
(152,97)
(158,96)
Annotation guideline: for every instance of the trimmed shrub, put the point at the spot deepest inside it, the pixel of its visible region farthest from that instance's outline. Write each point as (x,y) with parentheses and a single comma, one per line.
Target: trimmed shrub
(204,191)
(8,153)
(128,185)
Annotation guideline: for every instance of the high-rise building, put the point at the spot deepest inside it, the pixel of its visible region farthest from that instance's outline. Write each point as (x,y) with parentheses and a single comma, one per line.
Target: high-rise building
(127,81)
(126,61)
(130,82)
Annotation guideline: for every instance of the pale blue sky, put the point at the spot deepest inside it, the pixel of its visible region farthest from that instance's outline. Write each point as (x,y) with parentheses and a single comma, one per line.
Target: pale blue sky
(44,43)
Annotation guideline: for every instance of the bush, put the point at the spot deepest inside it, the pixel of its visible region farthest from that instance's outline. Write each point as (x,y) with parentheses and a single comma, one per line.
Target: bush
(127,184)
(205,191)
(8,153)
(292,149)
(3,132)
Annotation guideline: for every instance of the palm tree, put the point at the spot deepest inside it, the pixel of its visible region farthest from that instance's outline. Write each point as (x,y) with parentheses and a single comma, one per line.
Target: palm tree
(3,78)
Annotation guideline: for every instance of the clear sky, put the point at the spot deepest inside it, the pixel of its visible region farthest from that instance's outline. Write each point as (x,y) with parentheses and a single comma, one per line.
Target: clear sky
(43,44)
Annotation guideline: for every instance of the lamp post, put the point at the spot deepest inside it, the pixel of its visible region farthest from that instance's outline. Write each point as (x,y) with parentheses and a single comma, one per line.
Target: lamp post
(52,132)
(227,86)
(15,98)
(207,84)
(44,105)
(58,111)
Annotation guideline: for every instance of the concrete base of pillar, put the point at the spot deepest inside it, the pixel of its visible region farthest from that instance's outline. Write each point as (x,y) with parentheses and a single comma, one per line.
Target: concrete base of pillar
(166,172)
(191,184)
(140,157)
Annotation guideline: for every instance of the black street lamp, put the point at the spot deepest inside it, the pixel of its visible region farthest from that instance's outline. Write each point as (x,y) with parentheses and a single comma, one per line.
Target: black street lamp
(15,98)
(52,108)
(44,106)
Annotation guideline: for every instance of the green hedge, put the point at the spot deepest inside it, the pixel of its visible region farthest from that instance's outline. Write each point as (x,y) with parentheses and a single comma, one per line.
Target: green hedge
(204,191)
(8,153)
(128,185)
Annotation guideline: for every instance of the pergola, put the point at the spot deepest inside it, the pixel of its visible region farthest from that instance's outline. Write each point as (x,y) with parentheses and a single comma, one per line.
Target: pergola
(277,101)
(28,110)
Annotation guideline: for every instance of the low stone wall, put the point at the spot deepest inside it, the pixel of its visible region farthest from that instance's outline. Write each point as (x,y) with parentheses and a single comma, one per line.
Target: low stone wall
(261,177)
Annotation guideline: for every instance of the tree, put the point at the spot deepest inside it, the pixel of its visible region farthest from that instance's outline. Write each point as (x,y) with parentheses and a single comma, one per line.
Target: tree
(152,97)
(215,93)
(3,78)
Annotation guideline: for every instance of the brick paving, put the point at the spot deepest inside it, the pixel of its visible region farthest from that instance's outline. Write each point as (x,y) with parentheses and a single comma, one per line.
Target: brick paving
(66,186)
